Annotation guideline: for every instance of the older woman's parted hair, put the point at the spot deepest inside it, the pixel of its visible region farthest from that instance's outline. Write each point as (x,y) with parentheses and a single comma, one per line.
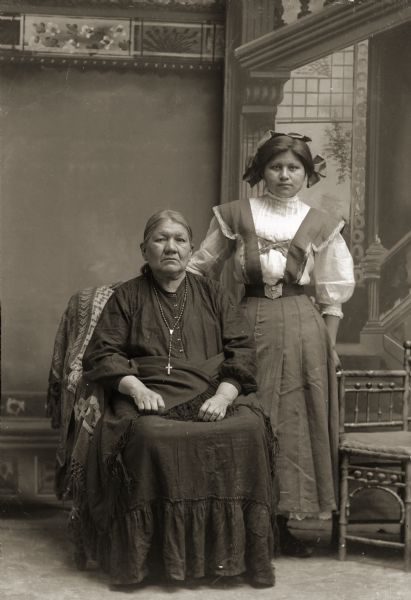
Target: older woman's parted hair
(155,220)
(276,144)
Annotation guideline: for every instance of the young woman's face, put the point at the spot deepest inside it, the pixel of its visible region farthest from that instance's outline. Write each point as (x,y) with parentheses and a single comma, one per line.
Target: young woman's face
(167,250)
(284,175)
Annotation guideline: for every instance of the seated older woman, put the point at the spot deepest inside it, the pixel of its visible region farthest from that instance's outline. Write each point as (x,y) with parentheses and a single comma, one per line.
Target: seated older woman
(179,472)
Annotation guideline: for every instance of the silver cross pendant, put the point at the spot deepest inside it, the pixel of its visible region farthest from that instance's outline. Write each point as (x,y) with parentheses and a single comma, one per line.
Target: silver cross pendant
(168,368)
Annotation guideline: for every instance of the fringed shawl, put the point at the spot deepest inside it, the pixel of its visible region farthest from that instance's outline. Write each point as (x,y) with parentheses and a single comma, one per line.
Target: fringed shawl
(69,398)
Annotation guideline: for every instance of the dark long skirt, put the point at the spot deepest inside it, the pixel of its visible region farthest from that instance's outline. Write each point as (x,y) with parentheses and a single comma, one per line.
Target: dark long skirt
(182,499)
(298,389)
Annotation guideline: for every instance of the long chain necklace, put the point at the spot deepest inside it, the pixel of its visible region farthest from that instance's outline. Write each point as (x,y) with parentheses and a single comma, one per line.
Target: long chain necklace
(177,319)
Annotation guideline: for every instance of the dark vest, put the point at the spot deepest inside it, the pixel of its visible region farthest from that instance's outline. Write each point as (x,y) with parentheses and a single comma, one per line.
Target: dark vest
(315,229)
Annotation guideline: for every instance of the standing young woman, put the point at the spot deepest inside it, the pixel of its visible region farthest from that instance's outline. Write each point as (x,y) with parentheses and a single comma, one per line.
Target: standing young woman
(279,245)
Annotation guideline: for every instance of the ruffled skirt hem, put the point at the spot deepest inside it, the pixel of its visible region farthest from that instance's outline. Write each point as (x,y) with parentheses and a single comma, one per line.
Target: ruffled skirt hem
(187,539)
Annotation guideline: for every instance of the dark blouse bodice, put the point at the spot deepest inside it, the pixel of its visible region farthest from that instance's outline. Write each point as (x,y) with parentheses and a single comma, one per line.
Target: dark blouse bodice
(131,326)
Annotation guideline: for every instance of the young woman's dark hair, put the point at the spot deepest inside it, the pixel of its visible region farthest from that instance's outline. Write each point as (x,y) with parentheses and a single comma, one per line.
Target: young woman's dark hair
(275,145)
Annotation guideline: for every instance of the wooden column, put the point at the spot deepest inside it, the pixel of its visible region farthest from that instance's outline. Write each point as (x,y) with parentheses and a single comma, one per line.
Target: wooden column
(262,92)
(371,266)
(373,138)
(231,111)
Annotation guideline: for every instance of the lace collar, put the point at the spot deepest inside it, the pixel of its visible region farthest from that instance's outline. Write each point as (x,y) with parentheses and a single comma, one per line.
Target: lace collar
(283,206)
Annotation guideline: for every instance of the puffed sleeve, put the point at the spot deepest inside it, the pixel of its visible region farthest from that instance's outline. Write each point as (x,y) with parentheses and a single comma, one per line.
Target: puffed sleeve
(106,359)
(333,276)
(216,248)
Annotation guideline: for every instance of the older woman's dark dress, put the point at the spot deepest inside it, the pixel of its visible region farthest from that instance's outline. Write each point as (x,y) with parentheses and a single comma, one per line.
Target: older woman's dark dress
(171,495)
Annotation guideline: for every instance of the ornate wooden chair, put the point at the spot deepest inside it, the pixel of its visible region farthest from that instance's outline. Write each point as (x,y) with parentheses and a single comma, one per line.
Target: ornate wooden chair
(375,449)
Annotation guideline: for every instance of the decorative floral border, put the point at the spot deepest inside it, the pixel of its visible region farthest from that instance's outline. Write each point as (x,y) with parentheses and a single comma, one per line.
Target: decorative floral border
(190,40)
(133,39)
(214,5)
(76,35)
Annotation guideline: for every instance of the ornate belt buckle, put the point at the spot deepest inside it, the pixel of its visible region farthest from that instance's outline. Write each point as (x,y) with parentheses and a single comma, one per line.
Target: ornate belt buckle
(273,291)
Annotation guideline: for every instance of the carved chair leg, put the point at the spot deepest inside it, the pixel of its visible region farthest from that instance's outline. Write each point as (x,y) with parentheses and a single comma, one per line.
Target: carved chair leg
(342,547)
(407,524)
(335,519)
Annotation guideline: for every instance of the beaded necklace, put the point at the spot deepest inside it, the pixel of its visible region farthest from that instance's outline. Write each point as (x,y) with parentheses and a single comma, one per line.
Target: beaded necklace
(171,330)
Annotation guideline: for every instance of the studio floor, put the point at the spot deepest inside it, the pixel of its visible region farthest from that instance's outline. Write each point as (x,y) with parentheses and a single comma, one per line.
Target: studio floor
(37,564)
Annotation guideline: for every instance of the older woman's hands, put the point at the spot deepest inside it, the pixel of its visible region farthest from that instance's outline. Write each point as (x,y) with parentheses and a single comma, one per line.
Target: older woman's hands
(215,408)
(148,401)
(145,399)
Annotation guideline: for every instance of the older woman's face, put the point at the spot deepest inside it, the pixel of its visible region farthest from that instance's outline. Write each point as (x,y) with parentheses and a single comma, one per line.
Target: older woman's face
(167,250)
(284,175)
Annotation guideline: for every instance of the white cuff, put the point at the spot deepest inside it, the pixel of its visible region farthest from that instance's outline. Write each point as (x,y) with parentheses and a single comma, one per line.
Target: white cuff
(332,309)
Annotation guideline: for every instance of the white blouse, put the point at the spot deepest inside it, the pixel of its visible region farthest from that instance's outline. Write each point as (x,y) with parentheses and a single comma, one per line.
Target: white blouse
(276,220)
